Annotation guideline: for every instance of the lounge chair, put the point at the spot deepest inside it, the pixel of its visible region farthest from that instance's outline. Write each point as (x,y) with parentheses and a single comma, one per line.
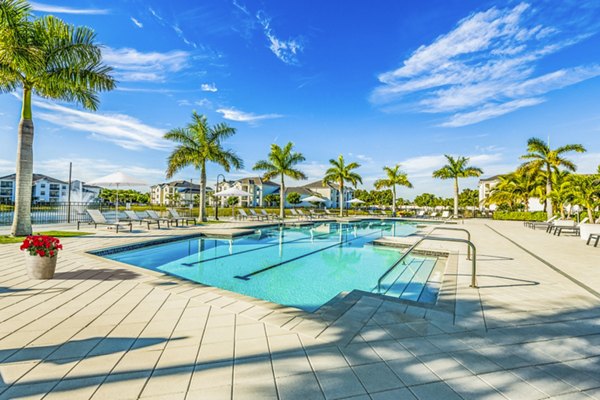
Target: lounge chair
(244,215)
(372,213)
(433,215)
(269,216)
(595,237)
(446,215)
(384,213)
(574,229)
(535,225)
(258,217)
(302,215)
(99,219)
(560,223)
(420,214)
(132,216)
(154,216)
(313,213)
(175,216)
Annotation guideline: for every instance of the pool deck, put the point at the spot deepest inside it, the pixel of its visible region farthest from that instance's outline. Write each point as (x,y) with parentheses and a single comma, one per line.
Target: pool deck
(104,330)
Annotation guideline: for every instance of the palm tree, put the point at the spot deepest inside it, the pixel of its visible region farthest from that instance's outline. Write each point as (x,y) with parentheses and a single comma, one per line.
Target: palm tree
(199,143)
(52,59)
(340,173)
(394,176)
(282,162)
(542,158)
(584,190)
(455,169)
(516,187)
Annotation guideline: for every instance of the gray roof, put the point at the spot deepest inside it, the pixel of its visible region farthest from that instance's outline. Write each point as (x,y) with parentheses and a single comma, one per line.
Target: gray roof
(256,180)
(36,177)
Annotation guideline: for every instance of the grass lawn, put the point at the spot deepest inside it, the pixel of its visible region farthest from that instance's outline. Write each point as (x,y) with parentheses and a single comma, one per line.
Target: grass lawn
(58,234)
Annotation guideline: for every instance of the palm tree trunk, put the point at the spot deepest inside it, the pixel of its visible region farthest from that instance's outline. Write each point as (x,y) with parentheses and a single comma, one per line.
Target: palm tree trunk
(282,199)
(341,198)
(549,211)
(456,197)
(590,213)
(24,178)
(202,200)
(394,201)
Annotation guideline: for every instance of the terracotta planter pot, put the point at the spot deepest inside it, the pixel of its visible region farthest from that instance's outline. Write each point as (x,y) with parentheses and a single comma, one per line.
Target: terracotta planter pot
(40,267)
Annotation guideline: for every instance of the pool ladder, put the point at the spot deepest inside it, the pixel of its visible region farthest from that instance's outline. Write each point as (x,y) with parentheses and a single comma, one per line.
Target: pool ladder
(471,253)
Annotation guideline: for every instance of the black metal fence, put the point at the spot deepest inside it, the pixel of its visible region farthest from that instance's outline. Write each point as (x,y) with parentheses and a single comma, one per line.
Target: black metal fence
(63,212)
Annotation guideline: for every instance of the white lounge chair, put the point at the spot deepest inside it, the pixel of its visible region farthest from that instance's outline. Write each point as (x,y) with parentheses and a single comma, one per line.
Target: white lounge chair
(99,219)
(257,216)
(313,213)
(132,216)
(269,216)
(154,216)
(302,215)
(176,217)
(534,225)
(560,223)
(574,229)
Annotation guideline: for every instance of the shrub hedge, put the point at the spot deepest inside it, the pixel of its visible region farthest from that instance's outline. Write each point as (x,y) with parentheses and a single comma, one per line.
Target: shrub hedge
(520,216)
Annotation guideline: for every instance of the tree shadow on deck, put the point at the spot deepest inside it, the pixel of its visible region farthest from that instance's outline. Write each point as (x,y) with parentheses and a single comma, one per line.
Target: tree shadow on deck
(545,353)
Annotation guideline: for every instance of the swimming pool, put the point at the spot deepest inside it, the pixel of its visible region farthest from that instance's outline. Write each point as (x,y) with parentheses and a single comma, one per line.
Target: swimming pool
(302,267)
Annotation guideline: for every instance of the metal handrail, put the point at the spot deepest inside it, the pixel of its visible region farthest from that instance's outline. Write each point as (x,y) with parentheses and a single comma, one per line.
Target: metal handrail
(438,239)
(443,228)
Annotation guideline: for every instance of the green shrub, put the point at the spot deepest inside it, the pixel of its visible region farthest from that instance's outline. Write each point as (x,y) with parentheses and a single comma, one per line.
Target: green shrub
(520,216)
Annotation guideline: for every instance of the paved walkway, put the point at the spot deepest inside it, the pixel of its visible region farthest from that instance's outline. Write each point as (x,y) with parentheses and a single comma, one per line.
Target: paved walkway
(103,330)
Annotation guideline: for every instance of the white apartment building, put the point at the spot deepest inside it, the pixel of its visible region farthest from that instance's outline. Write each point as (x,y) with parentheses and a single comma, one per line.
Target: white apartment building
(256,186)
(177,193)
(45,189)
(330,192)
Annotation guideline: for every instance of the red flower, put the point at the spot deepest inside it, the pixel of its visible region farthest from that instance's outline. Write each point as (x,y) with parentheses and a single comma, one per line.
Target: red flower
(41,253)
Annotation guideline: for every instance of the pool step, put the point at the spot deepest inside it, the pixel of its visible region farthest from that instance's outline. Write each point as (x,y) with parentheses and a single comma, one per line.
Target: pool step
(415,287)
(404,276)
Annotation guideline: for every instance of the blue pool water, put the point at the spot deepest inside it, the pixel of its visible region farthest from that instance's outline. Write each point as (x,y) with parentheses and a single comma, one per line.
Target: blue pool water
(302,267)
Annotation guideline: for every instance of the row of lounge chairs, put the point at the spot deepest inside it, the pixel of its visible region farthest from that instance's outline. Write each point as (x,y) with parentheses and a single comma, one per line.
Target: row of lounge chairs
(150,218)
(556,226)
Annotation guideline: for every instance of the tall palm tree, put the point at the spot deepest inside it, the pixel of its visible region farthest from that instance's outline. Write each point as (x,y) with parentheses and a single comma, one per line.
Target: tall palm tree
(281,162)
(52,59)
(198,144)
(515,188)
(394,176)
(340,173)
(456,168)
(542,158)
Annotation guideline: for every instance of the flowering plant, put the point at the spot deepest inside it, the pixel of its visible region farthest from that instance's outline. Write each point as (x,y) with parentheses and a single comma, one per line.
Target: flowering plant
(40,245)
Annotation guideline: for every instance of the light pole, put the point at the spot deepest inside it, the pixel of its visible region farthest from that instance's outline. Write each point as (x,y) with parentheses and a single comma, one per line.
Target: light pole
(217,200)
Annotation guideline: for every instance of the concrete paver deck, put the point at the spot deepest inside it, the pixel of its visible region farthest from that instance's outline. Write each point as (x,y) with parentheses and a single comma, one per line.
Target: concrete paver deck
(102,330)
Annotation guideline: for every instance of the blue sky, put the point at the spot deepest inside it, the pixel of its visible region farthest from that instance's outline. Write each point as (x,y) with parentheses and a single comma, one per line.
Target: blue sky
(391,82)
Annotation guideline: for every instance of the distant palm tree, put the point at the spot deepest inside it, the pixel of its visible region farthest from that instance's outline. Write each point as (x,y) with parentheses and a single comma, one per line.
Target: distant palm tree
(516,187)
(281,162)
(455,169)
(339,173)
(198,144)
(394,176)
(54,60)
(542,158)
(585,190)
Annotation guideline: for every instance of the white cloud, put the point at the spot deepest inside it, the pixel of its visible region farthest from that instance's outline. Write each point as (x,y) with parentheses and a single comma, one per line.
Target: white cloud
(133,65)
(123,130)
(286,50)
(489,111)
(66,10)
(209,87)
(137,23)
(240,116)
(485,67)
(7,167)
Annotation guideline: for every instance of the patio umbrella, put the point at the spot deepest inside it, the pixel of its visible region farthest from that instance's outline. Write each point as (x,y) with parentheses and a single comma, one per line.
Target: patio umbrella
(355,201)
(117,179)
(314,199)
(232,191)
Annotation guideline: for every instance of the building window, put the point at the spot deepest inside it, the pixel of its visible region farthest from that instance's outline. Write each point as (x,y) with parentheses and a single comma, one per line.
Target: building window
(43,185)
(42,193)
